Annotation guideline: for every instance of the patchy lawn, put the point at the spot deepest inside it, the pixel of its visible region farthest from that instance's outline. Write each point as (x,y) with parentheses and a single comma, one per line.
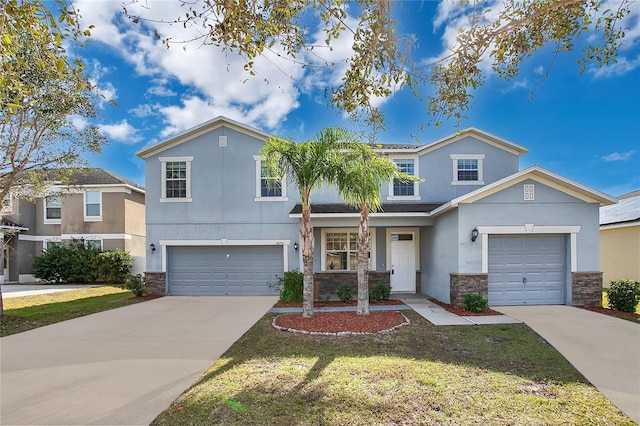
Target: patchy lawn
(29,312)
(420,374)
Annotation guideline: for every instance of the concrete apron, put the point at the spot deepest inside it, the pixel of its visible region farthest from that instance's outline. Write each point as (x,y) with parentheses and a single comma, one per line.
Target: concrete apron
(605,350)
(119,367)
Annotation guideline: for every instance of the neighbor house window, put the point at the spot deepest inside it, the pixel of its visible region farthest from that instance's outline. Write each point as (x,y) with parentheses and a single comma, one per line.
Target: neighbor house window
(53,242)
(93,244)
(92,206)
(467,169)
(340,250)
(52,209)
(405,190)
(176,179)
(268,188)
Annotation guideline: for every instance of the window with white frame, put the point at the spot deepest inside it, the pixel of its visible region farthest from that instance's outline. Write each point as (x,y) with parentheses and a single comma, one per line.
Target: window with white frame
(340,250)
(52,209)
(176,179)
(93,244)
(53,242)
(268,188)
(92,206)
(405,190)
(467,169)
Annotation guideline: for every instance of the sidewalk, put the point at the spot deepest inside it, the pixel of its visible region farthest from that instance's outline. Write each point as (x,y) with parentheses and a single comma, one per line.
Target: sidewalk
(433,313)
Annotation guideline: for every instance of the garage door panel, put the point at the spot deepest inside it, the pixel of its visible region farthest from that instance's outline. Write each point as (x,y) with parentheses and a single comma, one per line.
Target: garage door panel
(538,258)
(231,270)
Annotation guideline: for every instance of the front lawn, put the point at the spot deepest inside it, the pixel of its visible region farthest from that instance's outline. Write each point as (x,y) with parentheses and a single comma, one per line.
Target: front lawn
(29,312)
(420,374)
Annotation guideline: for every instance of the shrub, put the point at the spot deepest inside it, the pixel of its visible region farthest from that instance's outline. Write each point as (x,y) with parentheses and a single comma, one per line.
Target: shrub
(116,265)
(136,284)
(345,293)
(289,286)
(475,302)
(624,295)
(379,292)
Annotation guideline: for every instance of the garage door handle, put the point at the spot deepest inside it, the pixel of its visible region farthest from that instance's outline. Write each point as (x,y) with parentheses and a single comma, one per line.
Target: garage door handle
(524,280)
(392,271)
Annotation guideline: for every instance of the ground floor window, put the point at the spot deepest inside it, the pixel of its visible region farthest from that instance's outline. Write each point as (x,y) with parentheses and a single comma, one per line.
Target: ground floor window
(340,250)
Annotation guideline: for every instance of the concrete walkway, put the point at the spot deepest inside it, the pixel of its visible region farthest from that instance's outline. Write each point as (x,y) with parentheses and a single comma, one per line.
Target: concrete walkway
(437,315)
(19,290)
(605,350)
(118,367)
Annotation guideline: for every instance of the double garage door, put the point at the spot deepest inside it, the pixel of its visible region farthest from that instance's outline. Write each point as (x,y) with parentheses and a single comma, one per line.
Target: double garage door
(527,270)
(221,271)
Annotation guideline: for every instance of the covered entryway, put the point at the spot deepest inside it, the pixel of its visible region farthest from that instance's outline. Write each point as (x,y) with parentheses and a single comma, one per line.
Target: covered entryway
(223,270)
(527,269)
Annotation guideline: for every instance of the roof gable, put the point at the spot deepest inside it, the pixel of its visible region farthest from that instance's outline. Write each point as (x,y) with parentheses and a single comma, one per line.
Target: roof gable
(538,174)
(198,130)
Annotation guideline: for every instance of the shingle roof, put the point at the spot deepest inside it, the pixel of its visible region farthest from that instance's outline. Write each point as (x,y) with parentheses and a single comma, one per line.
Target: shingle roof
(386,208)
(627,210)
(95,176)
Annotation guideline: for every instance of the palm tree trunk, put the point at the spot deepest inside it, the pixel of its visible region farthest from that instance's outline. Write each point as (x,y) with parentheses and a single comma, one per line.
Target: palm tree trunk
(363,261)
(306,236)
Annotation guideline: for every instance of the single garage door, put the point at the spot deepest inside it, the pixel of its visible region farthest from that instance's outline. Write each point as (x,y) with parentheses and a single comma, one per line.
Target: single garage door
(527,270)
(220,271)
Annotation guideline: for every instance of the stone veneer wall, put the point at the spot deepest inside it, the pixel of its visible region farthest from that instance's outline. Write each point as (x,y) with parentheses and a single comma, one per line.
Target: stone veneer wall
(326,283)
(586,288)
(462,284)
(156,283)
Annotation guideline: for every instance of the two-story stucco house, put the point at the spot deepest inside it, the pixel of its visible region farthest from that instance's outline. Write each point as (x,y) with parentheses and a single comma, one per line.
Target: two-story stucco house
(475,222)
(104,210)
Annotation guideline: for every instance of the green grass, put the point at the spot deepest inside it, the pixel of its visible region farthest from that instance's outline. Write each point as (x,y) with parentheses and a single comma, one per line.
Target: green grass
(420,374)
(29,312)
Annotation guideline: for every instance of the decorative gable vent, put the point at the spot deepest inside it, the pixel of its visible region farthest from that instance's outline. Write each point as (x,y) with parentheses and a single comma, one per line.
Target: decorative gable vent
(222,141)
(529,194)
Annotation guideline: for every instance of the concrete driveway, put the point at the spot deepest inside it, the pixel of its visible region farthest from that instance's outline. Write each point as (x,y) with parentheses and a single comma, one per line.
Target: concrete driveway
(118,367)
(605,350)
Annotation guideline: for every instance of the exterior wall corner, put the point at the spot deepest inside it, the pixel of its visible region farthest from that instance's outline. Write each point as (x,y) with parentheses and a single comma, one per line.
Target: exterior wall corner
(156,283)
(463,284)
(586,288)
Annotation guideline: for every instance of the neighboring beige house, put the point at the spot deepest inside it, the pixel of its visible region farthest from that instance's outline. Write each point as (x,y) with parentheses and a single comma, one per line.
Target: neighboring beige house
(620,239)
(104,210)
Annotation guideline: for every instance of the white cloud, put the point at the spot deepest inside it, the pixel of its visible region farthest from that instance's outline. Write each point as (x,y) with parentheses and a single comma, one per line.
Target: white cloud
(160,91)
(616,156)
(144,110)
(121,132)
(621,67)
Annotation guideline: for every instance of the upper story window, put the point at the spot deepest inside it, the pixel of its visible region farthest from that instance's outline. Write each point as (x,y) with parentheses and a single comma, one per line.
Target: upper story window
(92,206)
(176,179)
(399,190)
(467,169)
(268,188)
(52,209)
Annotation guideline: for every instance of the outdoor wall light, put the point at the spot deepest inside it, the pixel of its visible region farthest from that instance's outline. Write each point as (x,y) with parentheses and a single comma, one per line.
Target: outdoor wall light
(152,247)
(474,235)
(295,246)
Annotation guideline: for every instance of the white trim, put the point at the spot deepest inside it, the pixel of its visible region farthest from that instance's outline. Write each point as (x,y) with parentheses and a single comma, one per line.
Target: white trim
(416,239)
(478,157)
(350,215)
(84,206)
(350,230)
(619,225)
(223,242)
(527,229)
(25,237)
(163,181)
(112,187)
(416,172)
(259,197)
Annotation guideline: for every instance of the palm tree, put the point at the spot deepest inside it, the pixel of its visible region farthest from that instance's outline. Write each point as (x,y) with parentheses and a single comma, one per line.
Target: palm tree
(359,176)
(308,165)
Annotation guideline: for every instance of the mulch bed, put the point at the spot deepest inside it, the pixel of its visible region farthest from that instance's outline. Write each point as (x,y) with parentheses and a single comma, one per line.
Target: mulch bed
(463,312)
(341,323)
(613,313)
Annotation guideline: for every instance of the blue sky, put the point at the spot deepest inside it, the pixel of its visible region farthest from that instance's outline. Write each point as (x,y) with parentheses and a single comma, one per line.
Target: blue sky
(584,127)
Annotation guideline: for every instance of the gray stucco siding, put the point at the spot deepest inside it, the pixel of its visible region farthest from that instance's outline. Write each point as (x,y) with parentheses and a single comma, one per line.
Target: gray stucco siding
(439,255)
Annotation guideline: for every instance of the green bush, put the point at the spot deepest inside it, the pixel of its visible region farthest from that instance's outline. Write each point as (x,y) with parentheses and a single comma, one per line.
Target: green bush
(345,293)
(624,295)
(379,292)
(290,286)
(74,263)
(116,265)
(136,284)
(475,302)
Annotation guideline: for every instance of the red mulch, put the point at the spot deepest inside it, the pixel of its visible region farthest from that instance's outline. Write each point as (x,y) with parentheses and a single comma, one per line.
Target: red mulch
(463,312)
(336,303)
(613,313)
(341,322)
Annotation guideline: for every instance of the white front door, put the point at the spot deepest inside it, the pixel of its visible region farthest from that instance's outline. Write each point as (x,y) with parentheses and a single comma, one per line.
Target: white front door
(403,263)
